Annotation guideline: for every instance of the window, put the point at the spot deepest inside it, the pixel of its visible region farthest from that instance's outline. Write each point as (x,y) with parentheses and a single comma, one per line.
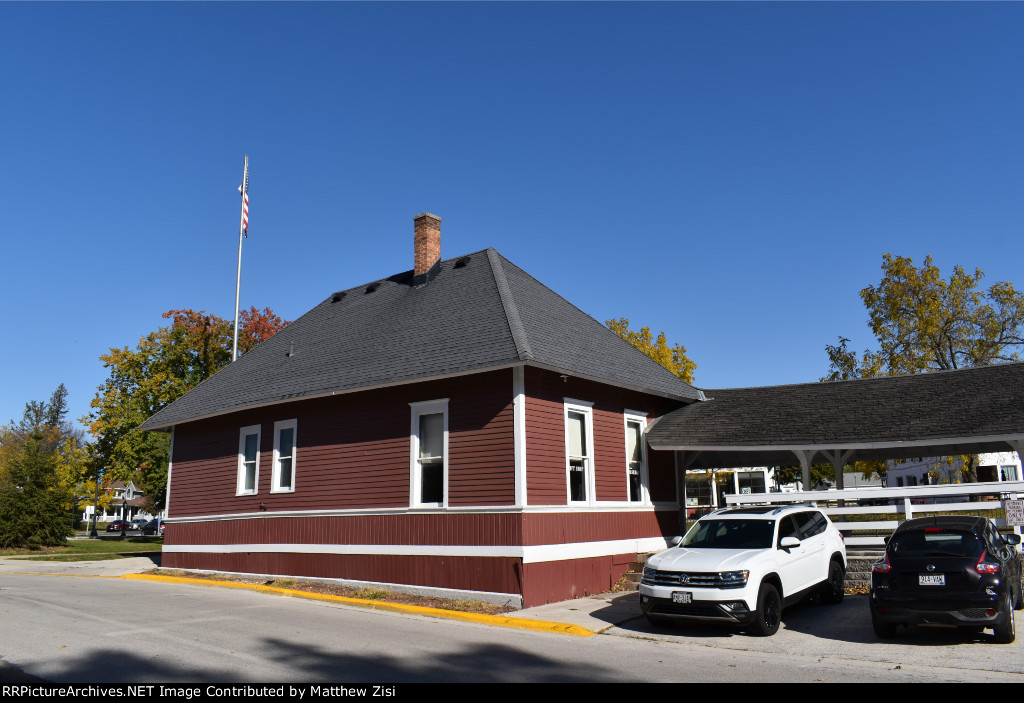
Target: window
(751,482)
(248,460)
(579,431)
(698,489)
(636,458)
(283,475)
(429,439)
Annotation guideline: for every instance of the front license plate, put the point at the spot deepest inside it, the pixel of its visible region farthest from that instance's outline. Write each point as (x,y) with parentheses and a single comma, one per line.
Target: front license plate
(931,580)
(682,597)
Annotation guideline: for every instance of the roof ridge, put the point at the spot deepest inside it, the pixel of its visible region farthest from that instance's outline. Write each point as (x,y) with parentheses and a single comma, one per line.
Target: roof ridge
(515,323)
(932,373)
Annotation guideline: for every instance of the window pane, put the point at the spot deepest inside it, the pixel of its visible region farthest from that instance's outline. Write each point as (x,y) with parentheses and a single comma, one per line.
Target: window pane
(634,485)
(285,474)
(431,435)
(577,481)
(576,429)
(284,445)
(250,475)
(432,482)
(633,446)
(250,447)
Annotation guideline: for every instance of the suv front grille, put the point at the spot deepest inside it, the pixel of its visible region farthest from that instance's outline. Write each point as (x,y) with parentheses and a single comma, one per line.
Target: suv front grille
(690,579)
(693,610)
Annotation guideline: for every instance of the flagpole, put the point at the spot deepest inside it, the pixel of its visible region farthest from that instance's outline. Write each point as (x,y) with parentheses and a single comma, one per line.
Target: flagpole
(244,189)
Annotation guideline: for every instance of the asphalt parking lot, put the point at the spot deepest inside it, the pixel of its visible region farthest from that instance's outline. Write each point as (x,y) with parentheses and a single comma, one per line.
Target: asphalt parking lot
(835,632)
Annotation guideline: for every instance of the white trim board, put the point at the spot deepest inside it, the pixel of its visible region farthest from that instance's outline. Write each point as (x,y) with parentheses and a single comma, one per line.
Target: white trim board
(533,554)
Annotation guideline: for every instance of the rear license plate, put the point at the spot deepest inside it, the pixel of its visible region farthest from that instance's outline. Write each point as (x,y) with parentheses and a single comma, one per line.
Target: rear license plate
(682,597)
(931,580)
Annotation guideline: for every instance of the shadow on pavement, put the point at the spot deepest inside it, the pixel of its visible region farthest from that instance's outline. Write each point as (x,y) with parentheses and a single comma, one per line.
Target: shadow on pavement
(849,622)
(492,663)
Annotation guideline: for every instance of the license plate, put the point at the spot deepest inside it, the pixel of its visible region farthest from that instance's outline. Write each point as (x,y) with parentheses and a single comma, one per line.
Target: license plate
(682,597)
(931,580)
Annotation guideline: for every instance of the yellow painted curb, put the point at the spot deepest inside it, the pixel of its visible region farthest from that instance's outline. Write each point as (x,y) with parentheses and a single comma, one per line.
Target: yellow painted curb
(494,620)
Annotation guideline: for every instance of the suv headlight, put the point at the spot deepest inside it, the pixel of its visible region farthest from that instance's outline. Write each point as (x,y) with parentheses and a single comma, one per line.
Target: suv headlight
(733,579)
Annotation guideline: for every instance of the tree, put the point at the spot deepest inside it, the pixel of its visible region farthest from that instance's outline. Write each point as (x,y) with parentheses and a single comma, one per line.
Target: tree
(923,323)
(672,358)
(42,466)
(163,366)
(33,504)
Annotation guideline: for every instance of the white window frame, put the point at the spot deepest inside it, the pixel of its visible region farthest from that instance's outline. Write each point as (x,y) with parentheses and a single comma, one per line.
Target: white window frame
(426,407)
(275,473)
(629,416)
(587,410)
(240,481)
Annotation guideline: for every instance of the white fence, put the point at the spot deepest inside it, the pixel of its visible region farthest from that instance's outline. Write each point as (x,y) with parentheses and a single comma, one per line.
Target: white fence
(900,503)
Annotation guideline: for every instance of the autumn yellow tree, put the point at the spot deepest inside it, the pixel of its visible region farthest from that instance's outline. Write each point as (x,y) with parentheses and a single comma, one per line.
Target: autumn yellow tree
(924,322)
(162,367)
(672,358)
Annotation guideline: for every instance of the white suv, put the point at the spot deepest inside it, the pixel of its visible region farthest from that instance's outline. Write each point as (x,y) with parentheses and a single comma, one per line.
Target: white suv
(743,565)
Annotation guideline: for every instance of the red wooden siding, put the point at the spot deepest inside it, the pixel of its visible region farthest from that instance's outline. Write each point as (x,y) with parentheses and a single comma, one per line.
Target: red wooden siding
(568,528)
(545,435)
(352,450)
(547,582)
(483,529)
(499,575)
(661,470)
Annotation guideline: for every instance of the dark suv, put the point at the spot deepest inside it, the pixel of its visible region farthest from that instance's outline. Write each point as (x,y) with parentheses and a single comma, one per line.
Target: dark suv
(948,570)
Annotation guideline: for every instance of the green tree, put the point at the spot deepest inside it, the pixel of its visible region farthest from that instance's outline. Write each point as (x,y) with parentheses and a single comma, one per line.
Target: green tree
(923,322)
(163,366)
(42,466)
(672,358)
(33,504)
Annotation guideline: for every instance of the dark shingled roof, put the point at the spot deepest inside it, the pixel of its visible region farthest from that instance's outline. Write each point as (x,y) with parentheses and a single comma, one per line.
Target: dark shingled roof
(478,312)
(963,411)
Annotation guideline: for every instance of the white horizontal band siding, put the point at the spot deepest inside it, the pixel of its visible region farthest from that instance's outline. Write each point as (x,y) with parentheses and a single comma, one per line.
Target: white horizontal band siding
(530,555)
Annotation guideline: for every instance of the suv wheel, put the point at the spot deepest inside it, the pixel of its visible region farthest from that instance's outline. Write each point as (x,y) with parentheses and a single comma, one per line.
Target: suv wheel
(834,588)
(769,611)
(1005,633)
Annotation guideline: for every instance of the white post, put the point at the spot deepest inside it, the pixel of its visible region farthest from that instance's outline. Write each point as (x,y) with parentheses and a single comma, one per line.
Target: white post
(241,229)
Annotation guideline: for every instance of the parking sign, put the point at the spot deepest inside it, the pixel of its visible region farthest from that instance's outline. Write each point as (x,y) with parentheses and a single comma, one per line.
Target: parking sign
(1014,512)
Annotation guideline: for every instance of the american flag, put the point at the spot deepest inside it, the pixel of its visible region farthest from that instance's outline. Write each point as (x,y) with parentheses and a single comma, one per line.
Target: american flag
(245,204)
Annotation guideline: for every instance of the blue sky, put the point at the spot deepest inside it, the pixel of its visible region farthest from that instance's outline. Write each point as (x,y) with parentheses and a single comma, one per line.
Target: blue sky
(730,173)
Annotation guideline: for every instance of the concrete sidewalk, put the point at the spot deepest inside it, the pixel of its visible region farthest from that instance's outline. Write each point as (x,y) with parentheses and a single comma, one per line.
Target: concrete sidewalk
(597,613)
(106,567)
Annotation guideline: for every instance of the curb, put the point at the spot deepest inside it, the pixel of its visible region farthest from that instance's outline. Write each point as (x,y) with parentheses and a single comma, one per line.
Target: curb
(559,628)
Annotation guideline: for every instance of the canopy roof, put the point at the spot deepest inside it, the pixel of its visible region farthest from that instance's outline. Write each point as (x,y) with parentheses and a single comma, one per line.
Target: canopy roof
(940,413)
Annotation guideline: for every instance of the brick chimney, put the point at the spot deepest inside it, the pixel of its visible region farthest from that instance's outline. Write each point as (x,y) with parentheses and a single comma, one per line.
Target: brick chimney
(426,245)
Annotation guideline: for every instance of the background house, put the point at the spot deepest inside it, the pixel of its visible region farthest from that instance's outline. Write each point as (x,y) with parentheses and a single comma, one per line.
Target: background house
(136,505)
(923,471)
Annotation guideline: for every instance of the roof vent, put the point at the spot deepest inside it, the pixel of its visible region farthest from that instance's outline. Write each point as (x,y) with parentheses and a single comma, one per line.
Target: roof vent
(338,296)
(461,263)
(372,287)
